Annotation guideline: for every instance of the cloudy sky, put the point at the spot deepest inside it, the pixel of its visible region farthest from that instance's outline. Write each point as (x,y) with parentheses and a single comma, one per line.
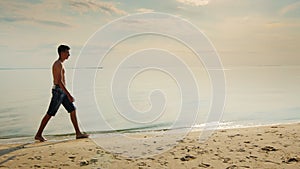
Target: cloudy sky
(244,32)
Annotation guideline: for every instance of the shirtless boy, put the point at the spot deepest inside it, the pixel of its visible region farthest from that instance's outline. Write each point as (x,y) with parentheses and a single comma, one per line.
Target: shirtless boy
(60,95)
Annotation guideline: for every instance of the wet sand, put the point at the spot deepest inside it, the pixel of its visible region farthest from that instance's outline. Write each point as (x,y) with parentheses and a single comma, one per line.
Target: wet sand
(276,146)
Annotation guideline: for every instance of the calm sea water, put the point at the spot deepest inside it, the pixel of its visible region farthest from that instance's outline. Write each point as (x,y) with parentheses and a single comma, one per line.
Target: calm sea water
(255,96)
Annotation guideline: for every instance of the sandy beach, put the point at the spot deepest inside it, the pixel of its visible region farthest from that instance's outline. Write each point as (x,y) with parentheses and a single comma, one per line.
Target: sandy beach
(276,146)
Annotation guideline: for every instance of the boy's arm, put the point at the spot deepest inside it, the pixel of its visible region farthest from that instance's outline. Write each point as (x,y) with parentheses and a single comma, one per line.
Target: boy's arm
(57,72)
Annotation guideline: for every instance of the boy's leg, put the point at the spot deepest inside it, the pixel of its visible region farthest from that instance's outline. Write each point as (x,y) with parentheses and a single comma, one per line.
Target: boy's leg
(69,106)
(43,124)
(75,124)
(56,100)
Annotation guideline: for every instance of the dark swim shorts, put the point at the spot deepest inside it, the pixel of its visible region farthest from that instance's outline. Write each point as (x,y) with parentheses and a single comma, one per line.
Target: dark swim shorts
(58,98)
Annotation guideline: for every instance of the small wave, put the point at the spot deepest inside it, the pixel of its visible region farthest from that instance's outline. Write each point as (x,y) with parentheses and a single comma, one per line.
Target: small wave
(23,68)
(27,138)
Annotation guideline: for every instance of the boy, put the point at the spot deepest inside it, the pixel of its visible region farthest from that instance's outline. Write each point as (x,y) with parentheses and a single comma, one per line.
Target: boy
(60,95)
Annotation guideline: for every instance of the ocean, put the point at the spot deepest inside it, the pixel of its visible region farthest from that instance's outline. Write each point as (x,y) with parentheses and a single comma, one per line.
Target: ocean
(255,95)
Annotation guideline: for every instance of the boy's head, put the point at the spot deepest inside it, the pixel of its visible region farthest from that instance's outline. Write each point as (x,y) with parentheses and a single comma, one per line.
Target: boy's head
(63,50)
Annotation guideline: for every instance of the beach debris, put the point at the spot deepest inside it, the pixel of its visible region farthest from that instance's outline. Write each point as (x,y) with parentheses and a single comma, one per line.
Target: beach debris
(72,156)
(291,160)
(269,161)
(235,135)
(38,157)
(232,167)
(203,165)
(30,158)
(84,163)
(150,158)
(94,160)
(269,148)
(251,156)
(180,141)
(187,158)
(100,151)
(202,152)
(36,166)
(241,150)
(130,158)
(142,163)
(159,148)
(226,160)
(242,160)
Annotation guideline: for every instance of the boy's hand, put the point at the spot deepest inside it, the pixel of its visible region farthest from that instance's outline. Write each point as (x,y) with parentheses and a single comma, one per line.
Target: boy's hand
(71,98)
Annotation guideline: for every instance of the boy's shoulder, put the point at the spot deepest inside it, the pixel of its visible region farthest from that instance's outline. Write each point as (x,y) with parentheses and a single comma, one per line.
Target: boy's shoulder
(57,63)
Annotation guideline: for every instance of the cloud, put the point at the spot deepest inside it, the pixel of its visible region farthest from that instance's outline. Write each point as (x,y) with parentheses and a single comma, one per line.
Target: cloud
(289,8)
(39,12)
(90,5)
(285,24)
(194,2)
(28,8)
(52,23)
(39,21)
(12,19)
(144,10)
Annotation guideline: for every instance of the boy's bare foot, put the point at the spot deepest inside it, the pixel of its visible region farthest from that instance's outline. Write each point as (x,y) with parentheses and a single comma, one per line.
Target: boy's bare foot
(79,136)
(40,138)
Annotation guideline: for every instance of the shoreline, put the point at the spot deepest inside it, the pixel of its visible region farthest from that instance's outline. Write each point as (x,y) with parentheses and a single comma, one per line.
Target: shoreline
(273,146)
(196,128)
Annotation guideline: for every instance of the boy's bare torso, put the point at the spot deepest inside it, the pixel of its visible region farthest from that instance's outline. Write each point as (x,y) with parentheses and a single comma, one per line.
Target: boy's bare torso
(58,72)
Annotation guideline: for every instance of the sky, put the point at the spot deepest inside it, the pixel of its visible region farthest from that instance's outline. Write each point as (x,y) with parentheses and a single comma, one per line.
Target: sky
(244,32)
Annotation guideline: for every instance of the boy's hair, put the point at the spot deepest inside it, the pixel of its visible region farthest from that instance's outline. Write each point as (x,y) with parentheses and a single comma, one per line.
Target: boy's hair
(62,48)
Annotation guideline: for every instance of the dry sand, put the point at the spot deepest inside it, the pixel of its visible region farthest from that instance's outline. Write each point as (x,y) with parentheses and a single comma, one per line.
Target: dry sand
(265,147)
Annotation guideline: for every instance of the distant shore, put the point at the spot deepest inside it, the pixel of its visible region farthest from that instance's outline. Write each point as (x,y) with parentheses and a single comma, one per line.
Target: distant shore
(275,146)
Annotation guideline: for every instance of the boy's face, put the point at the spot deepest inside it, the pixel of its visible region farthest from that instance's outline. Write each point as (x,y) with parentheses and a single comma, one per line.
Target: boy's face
(65,54)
